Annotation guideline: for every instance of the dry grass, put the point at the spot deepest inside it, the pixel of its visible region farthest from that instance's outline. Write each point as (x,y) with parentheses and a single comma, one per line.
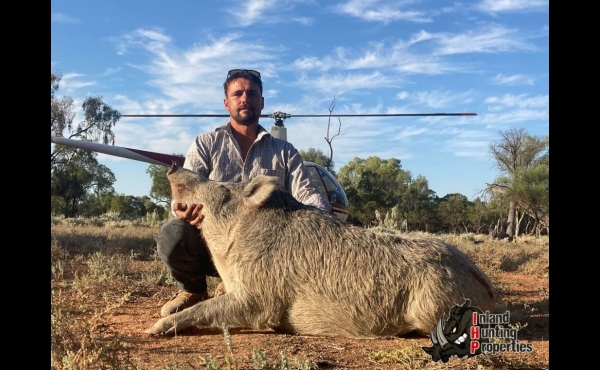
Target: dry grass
(107,283)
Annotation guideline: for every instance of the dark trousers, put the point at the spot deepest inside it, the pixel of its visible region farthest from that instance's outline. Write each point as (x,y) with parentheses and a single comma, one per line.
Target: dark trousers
(182,248)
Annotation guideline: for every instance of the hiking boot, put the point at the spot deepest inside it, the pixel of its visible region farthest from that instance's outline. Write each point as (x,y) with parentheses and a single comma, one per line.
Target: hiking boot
(219,290)
(180,301)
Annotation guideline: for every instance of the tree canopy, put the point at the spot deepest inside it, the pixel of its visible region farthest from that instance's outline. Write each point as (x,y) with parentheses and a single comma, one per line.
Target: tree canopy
(372,184)
(160,190)
(317,156)
(524,162)
(99,119)
(74,178)
(75,173)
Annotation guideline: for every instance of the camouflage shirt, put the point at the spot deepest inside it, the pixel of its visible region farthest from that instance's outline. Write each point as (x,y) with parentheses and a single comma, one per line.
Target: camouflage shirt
(217,155)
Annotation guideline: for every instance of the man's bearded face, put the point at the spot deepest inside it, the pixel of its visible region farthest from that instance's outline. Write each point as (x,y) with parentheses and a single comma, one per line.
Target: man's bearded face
(244,101)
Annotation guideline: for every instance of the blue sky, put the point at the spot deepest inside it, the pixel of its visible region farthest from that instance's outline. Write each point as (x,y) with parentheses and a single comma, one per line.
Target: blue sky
(488,57)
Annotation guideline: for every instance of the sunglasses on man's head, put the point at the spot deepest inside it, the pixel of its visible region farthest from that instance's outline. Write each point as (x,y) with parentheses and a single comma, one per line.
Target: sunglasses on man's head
(240,72)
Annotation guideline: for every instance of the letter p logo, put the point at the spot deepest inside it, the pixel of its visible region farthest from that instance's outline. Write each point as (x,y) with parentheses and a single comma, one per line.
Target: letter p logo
(474,346)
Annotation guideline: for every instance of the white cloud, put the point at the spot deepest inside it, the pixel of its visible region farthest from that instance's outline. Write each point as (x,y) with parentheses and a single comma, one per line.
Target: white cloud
(490,39)
(507,118)
(249,12)
(407,132)
(423,53)
(384,11)
(402,95)
(111,71)
(150,39)
(338,84)
(499,6)
(520,101)
(441,98)
(193,76)
(516,79)
(306,21)
(72,81)
(57,17)
(466,142)
(508,109)
(396,57)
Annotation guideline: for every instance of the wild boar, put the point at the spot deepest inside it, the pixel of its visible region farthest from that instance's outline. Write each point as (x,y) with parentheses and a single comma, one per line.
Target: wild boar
(296,269)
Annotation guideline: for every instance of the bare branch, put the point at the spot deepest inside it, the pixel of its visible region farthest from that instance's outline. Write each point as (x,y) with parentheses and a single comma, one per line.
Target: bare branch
(330,139)
(497,186)
(491,189)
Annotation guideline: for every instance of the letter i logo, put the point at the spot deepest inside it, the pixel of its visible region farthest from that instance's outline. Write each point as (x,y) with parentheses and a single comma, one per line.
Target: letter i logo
(474,318)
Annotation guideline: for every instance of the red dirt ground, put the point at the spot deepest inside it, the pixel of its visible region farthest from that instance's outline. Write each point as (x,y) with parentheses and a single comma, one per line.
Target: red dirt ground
(189,349)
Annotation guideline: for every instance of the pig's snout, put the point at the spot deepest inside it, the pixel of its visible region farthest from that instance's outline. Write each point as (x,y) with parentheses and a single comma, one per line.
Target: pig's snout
(174,167)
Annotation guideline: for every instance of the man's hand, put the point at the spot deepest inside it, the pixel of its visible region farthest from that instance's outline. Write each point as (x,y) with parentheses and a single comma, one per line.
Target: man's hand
(189,213)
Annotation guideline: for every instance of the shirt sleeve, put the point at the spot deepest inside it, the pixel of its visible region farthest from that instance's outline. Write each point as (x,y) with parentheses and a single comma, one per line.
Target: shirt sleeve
(196,160)
(302,187)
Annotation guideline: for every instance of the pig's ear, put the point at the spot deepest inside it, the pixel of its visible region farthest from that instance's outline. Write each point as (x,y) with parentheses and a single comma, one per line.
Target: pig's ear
(258,190)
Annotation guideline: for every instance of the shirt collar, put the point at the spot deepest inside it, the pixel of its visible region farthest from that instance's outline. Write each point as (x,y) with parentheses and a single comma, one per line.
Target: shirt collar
(227,128)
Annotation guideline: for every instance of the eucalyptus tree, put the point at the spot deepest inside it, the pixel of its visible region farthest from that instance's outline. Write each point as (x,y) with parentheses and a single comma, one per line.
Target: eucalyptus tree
(75,173)
(523,161)
(160,190)
(531,189)
(74,179)
(317,156)
(453,210)
(98,120)
(371,185)
(129,206)
(418,205)
(479,216)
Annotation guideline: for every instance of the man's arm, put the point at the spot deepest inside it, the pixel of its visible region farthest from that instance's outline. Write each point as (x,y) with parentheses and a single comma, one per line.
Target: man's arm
(197,157)
(194,161)
(301,186)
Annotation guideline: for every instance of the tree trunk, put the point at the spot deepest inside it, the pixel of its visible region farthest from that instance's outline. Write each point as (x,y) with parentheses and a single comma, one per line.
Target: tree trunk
(519,217)
(510,226)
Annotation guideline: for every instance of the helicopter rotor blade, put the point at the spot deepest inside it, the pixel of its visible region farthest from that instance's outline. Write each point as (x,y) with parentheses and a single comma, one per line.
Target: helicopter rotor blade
(119,151)
(309,115)
(385,115)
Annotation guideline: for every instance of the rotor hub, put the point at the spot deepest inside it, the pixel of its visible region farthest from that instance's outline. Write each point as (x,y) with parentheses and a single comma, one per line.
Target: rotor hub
(279,117)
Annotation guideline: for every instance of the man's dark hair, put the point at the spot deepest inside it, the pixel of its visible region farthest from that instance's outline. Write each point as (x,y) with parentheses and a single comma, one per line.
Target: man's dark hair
(246,76)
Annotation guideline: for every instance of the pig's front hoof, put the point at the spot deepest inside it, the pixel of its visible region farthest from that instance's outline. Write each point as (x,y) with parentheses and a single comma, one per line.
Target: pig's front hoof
(163,326)
(154,330)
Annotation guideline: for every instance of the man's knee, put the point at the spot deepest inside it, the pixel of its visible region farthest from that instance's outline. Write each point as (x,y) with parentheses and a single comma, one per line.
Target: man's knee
(171,235)
(183,249)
